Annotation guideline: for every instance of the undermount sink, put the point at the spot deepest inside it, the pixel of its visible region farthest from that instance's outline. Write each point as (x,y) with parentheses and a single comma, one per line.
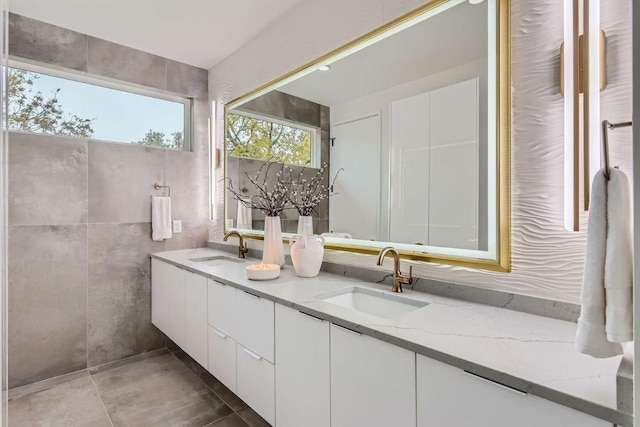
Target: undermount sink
(216,260)
(376,303)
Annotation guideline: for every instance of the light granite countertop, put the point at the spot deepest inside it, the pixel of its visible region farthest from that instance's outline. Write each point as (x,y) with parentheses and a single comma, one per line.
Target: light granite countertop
(530,353)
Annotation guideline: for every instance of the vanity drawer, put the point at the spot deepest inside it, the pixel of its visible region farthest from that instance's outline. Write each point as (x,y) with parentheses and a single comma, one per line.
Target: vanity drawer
(222,358)
(221,307)
(254,327)
(256,383)
(442,390)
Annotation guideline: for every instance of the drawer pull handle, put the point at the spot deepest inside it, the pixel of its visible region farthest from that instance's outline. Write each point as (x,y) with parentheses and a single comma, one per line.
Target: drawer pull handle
(349,330)
(251,295)
(252,354)
(220,334)
(310,316)
(497,384)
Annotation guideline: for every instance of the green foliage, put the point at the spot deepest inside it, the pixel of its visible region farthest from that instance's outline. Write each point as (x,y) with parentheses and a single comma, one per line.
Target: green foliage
(31,111)
(158,139)
(264,140)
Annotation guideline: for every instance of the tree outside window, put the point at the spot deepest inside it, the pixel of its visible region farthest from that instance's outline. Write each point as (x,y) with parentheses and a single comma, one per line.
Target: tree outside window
(265,140)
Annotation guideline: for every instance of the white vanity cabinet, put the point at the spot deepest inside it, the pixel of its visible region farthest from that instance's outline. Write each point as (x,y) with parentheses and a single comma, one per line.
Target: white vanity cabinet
(168,306)
(449,396)
(196,317)
(373,383)
(179,307)
(241,345)
(303,395)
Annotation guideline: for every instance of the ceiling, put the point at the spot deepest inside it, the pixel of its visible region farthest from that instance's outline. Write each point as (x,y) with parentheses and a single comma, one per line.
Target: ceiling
(449,39)
(197,32)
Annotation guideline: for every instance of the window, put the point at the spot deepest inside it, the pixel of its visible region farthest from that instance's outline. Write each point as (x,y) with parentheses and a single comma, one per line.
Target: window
(43,103)
(261,138)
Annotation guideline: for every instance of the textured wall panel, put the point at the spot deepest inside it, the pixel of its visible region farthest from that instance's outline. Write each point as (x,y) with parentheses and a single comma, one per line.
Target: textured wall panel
(546,259)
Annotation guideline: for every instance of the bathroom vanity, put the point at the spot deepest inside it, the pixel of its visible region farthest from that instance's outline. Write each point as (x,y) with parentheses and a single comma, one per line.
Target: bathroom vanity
(336,351)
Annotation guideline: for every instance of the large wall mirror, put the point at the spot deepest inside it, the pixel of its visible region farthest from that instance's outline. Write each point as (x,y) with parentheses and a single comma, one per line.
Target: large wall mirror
(414,120)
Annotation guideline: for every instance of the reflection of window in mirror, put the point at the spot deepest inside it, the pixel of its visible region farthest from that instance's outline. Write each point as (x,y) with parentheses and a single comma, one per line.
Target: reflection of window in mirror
(256,137)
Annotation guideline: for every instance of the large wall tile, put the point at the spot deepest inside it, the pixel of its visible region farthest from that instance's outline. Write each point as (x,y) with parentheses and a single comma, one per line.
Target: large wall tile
(194,235)
(47,43)
(187,80)
(127,64)
(119,294)
(121,179)
(47,179)
(47,301)
(188,174)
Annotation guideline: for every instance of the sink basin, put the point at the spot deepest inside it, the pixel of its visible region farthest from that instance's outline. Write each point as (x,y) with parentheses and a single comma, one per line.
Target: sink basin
(376,303)
(216,260)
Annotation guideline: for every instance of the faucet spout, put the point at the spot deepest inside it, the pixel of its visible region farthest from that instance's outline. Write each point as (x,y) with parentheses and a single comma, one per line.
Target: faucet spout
(242,247)
(398,277)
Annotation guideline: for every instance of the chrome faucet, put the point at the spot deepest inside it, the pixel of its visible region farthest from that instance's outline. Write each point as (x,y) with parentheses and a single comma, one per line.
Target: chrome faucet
(398,277)
(242,248)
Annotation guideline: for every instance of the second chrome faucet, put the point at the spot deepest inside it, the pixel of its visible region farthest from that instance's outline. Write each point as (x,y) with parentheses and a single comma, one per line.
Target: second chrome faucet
(398,278)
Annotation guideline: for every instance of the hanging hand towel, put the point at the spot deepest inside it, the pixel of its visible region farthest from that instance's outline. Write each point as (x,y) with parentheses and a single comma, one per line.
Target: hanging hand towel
(244,215)
(160,218)
(618,269)
(591,336)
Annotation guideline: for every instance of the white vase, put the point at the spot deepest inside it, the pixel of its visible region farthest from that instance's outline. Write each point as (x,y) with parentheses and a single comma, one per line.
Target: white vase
(273,251)
(306,254)
(305,225)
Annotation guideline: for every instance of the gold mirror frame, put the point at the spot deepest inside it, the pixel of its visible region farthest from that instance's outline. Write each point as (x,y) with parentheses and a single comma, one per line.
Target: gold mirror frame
(502,262)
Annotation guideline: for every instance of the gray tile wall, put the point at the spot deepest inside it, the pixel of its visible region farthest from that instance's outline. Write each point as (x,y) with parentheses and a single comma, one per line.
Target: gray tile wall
(79,216)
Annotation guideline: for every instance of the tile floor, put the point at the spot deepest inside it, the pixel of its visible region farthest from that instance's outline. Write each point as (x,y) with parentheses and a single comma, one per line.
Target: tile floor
(163,388)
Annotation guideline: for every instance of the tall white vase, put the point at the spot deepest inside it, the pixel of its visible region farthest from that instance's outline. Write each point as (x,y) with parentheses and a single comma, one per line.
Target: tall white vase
(305,225)
(273,252)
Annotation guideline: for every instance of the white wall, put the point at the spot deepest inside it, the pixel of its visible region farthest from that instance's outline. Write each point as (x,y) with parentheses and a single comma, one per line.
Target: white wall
(546,259)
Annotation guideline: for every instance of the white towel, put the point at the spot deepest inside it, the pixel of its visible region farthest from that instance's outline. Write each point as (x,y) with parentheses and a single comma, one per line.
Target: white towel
(618,269)
(608,256)
(160,218)
(244,215)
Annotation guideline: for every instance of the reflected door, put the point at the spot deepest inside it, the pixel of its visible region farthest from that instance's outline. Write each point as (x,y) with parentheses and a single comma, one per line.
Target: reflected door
(355,209)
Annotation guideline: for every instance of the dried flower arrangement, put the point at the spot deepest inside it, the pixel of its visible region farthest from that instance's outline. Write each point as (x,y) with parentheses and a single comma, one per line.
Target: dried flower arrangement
(271,201)
(305,195)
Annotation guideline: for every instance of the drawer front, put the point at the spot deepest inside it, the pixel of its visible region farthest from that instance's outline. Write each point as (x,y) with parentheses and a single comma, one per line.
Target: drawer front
(221,307)
(222,358)
(196,317)
(256,383)
(255,324)
(303,376)
(443,388)
(159,294)
(176,327)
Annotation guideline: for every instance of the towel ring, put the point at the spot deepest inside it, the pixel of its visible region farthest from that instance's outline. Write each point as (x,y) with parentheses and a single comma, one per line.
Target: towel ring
(158,186)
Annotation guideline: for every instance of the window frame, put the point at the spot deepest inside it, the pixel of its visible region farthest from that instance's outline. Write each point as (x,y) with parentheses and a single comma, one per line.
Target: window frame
(119,85)
(314,151)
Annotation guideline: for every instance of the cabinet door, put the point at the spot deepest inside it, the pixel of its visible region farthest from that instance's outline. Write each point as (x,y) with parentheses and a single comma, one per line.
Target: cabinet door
(372,382)
(222,358)
(444,390)
(221,307)
(302,374)
(256,383)
(254,324)
(196,317)
(176,293)
(159,294)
